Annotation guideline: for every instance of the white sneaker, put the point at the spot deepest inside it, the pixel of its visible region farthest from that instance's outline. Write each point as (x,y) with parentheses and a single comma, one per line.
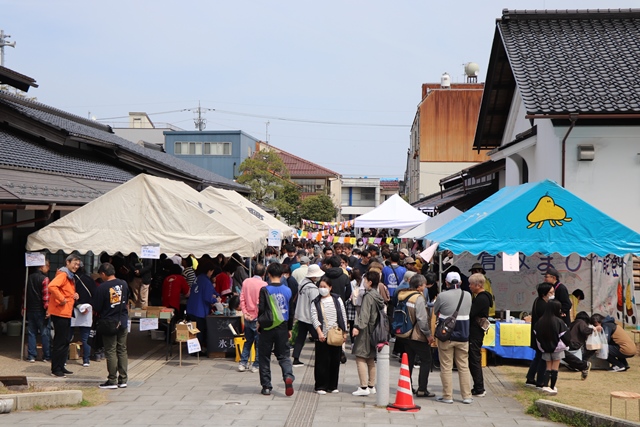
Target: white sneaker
(321,392)
(241,368)
(550,390)
(335,391)
(254,369)
(372,390)
(361,392)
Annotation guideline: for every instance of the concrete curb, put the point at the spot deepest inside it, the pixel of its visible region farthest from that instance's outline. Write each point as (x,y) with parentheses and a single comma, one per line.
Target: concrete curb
(593,418)
(26,401)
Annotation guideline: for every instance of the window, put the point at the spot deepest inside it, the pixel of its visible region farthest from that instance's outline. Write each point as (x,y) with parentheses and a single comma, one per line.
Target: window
(203,148)
(367,193)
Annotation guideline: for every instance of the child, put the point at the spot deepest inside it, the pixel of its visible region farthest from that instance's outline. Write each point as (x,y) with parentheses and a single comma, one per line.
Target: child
(552,338)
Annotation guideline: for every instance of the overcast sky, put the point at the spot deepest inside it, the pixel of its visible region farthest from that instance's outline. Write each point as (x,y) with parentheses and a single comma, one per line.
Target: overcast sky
(355,62)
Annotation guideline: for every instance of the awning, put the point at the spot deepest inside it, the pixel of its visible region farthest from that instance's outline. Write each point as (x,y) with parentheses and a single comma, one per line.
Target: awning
(419,231)
(149,210)
(393,213)
(536,217)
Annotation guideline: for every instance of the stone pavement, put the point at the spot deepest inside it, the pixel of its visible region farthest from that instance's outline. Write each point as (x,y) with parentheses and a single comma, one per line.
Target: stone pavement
(212,392)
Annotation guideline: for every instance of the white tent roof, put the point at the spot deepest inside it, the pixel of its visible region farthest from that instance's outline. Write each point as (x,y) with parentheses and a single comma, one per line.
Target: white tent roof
(393,213)
(420,231)
(247,210)
(149,210)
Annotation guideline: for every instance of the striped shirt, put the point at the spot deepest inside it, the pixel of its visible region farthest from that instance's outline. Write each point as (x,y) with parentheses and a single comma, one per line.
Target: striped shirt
(329,314)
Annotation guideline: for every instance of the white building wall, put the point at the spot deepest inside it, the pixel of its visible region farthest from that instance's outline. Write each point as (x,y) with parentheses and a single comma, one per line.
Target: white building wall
(611,181)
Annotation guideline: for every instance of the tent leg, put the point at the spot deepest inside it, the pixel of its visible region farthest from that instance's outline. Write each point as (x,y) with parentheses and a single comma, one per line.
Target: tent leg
(24,312)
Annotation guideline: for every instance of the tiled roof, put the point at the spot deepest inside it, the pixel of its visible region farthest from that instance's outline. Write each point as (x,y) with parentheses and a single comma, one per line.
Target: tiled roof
(101,135)
(17,80)
(580,61)
(299,167)
(18,152)
(389,184)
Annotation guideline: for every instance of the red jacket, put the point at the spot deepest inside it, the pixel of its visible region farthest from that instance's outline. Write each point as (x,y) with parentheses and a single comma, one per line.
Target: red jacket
(172,287)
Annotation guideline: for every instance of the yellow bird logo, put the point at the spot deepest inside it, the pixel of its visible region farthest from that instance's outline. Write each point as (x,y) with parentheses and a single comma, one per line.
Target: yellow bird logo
(547,210)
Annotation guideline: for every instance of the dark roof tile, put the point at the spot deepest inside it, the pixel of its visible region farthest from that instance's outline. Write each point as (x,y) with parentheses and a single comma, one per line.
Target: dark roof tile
(81,127)
(574,61)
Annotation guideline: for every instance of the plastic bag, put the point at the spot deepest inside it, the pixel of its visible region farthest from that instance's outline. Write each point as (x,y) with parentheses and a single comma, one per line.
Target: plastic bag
(593,341)
(603,352)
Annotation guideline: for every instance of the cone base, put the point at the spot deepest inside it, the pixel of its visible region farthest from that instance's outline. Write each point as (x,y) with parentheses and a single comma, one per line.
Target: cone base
(394,408)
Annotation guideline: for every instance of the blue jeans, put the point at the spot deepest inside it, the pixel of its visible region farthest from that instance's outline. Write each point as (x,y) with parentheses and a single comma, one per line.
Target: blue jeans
(84,338)
(38,323)
(251,337)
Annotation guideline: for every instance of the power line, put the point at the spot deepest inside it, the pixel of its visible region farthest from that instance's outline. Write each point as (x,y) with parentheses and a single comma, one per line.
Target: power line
(287,119)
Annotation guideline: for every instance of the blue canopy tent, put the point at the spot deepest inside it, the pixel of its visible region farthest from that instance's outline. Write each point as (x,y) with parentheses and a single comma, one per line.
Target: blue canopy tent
(536,217)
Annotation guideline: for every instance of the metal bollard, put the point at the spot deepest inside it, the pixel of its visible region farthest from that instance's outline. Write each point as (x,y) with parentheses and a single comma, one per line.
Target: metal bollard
(382,377)
(6,405)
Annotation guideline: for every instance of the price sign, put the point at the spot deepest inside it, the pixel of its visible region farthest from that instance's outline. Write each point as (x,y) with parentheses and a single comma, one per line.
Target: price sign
(150,251)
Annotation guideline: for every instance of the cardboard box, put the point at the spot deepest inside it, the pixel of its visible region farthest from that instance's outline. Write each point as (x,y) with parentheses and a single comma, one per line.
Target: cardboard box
(75,349)
(186,331)
(138,312)
(154,311)
(166,313)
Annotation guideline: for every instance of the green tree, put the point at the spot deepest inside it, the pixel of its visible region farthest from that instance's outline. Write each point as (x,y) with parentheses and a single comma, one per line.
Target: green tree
(318,208)
(287,203)
(268,177)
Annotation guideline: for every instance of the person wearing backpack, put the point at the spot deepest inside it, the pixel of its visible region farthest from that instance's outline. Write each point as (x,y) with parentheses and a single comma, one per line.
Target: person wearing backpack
(363,348)
(418,338)
(274,303)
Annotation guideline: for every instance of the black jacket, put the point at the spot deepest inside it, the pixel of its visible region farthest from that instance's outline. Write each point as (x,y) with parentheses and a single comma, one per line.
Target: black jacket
(85,288)
(340,282)
(479,309)
(539,305)
(34,292)
(562,296)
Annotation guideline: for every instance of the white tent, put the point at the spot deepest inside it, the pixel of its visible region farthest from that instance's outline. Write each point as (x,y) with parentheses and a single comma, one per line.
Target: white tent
(393,213)
(419,231)
(150,210)
(247,210)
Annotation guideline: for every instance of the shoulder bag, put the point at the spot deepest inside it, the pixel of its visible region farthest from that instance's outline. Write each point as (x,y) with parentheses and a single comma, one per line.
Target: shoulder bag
(335,337)
(445,326)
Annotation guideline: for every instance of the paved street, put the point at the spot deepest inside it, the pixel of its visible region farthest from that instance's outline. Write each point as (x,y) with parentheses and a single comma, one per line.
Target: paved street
(212,392)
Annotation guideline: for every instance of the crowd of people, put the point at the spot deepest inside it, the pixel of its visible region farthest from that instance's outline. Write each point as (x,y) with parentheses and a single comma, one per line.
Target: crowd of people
(558,334)
(331,294)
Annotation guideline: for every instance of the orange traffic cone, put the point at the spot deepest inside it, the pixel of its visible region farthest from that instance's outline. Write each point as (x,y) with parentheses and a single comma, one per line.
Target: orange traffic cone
(404,396)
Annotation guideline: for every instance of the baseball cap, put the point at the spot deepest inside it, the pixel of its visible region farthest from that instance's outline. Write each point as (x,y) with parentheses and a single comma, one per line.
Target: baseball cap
(552,272)
(453,277)
(304,260)
(409,260)
(404,251)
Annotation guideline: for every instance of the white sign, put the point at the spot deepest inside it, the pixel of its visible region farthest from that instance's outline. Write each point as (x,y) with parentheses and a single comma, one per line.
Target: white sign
(510,262)
(34,259)
(427,254)
(275,238)
(150,251)
(147,324)
(193,345)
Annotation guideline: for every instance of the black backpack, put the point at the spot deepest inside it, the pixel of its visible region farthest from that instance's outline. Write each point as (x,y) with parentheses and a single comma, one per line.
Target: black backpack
(380,332)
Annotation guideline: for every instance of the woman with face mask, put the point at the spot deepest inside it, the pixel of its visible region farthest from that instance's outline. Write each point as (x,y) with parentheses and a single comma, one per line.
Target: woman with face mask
(535,375)
(327,311)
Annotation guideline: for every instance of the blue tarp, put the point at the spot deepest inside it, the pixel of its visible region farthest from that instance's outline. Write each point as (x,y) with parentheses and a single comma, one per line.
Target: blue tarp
(536,217)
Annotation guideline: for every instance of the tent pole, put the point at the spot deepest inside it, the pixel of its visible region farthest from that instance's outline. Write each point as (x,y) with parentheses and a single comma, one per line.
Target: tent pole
(24,311)
(591,261)
(440,271)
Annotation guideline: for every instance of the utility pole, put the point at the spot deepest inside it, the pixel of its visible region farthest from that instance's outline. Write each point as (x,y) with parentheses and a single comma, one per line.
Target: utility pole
(3,43)
(266,136)
(200,122)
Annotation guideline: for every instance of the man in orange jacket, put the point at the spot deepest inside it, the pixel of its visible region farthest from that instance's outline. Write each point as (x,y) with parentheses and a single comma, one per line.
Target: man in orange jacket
(62,294)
